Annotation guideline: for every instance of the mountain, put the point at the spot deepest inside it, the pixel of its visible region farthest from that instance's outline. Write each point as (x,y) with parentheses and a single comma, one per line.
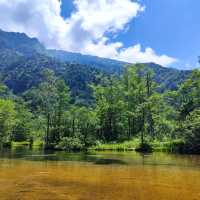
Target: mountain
(22,60)
(28,72)
(21,43)
(169,78)
(107,65)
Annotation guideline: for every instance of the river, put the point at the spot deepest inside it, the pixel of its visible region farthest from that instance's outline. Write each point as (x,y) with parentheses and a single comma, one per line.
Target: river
(38,175)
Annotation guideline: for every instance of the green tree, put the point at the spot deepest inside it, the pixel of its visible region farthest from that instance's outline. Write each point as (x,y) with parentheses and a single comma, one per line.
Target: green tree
(87,122)
(48,96)
(109,107)
(188,106)
(7,120)
(189,95)
(63,98)
(130,84)
(191,129)
(23,128)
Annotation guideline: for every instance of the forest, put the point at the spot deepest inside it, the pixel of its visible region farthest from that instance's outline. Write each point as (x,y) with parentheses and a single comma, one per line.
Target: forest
(125,112)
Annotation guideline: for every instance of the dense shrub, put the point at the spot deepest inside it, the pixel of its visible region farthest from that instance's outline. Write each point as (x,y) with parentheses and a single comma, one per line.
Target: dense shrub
(70,144)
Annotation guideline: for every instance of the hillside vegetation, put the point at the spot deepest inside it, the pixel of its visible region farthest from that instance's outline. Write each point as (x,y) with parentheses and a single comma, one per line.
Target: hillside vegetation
(74,102)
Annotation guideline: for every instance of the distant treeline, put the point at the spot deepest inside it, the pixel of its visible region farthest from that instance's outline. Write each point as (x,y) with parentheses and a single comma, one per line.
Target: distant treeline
(122,108)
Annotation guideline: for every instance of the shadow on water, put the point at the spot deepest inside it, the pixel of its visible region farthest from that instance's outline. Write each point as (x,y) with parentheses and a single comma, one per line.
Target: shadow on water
(109,162)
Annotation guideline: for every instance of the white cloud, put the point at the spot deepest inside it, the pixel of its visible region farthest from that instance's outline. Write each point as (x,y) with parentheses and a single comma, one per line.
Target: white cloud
(102,16)
(135,54)
(85,31)
(36,18)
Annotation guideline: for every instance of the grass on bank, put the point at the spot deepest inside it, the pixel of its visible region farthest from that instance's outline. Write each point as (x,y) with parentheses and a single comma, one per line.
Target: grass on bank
(166,146)
(124,146)
(157,146)
(36,143)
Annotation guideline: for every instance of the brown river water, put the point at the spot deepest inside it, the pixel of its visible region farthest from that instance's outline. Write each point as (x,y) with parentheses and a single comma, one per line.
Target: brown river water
(37,175)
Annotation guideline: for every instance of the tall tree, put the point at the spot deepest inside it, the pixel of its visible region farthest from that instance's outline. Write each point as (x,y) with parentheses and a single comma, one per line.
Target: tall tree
(63,98)
(7,120)
(109,106)
(47,93)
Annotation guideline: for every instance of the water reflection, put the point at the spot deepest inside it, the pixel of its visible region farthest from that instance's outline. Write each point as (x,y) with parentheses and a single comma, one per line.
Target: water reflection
(103,158)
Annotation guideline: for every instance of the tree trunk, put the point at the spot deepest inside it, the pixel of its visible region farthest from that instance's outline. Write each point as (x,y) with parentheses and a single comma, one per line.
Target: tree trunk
(48,129)
(150,128)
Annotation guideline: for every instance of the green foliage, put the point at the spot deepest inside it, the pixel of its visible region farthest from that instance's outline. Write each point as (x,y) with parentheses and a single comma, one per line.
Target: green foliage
(22,130)
(166,78)
(53,98)
(70,144)
(191,130)
(123,146)
(187,106)
(72,106)
(44,98)
(7,120)
(109,108)
(23,59)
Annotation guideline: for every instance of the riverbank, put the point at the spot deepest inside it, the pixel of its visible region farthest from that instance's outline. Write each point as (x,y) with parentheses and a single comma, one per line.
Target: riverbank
(173,146)
(167,146)
(37,143)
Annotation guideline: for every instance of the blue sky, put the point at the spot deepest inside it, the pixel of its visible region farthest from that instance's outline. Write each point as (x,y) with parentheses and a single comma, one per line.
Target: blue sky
(166,32)
(169,27)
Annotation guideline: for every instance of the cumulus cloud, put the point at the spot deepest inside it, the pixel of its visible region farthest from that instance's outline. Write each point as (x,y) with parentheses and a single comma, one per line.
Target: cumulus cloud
(103,16)
(135,54)
(87,30)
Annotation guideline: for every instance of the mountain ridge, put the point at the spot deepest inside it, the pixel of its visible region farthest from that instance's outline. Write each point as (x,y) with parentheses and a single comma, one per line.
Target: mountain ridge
(20,55)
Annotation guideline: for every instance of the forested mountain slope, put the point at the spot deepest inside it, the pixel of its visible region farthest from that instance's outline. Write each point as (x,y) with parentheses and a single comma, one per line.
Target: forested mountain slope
(168,77)
(22,60)
(26,73)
